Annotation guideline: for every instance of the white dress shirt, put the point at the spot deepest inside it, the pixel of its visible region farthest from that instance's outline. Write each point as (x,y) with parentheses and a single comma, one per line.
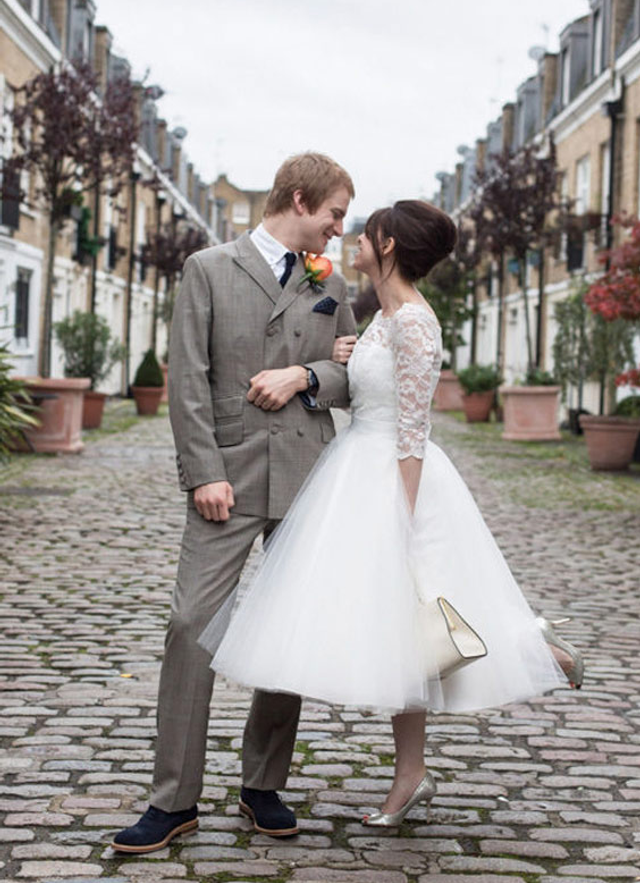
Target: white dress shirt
(271,250)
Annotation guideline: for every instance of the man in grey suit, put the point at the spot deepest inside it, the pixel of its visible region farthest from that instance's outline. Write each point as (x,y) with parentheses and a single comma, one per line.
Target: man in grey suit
(251,381)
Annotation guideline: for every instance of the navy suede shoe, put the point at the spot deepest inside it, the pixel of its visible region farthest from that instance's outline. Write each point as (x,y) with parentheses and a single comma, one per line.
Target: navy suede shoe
(268,813)
(155,829)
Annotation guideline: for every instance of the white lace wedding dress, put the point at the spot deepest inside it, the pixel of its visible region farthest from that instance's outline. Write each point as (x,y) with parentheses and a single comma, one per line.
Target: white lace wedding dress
(334,610)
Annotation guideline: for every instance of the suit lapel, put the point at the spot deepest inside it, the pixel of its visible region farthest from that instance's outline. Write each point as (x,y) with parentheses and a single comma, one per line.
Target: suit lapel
(251,261)
(290,291)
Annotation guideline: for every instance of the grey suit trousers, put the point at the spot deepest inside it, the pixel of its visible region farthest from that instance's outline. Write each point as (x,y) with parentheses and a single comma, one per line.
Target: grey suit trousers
(211,559)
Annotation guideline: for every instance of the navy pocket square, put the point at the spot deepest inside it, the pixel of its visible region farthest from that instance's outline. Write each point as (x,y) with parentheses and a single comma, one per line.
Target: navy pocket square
(327,305)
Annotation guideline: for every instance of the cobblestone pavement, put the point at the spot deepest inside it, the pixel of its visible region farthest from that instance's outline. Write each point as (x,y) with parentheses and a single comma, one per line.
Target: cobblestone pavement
(544,791)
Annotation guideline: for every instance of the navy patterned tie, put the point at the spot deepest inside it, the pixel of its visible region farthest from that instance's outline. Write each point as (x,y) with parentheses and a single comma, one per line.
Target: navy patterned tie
(290,259)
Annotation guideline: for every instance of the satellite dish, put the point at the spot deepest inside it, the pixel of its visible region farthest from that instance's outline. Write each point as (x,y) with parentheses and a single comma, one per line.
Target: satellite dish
(179,132)
(154,92)
(537,53)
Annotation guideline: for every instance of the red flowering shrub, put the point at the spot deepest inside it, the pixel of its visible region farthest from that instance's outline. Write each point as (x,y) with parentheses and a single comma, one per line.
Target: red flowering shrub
(629,378)
(616,295)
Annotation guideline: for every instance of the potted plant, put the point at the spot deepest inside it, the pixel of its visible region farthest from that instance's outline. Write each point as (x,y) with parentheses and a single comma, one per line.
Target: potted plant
(612,440)
(479,383)
(531,409)
(88,350)
(16,407)
(148,385)
(614,299)
(448,394)
(572,359)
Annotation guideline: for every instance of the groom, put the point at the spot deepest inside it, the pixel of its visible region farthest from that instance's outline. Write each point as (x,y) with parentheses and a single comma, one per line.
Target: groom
(251,382)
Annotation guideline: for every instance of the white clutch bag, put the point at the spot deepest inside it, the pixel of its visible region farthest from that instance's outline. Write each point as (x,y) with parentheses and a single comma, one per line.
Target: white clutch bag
(452,643)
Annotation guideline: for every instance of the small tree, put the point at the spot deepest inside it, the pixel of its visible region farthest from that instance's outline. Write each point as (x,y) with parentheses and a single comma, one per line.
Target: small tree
(515,196)
(614,298)
(167,251)
(88,349)
(571,349)
(72,142)
(446,288)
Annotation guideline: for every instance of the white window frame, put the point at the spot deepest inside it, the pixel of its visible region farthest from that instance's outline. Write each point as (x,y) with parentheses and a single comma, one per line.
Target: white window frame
(564,198)
(598,42)
(583,185)
(241,212)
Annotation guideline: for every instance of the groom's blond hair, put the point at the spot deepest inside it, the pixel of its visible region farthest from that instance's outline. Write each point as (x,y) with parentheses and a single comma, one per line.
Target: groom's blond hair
(315,174)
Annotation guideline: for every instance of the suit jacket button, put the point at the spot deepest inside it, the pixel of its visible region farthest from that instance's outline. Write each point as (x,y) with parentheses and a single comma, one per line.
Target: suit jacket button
(275,430)
(271,331)
(301,432)
(297,332)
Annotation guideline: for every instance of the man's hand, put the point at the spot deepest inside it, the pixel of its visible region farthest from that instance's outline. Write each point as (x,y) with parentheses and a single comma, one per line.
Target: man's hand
(214,500)
(271,390)
(343,347)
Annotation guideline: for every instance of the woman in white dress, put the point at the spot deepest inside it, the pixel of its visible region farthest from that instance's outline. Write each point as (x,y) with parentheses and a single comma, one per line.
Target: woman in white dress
(383,524)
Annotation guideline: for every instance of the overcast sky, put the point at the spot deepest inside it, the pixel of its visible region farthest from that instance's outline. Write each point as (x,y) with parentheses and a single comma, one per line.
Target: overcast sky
(389,88)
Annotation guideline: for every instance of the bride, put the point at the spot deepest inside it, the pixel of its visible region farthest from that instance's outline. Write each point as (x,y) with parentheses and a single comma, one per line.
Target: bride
(383,525)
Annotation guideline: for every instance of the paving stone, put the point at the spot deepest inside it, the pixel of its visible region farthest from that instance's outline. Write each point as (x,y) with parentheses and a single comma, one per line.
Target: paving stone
(40,870)
(552,783)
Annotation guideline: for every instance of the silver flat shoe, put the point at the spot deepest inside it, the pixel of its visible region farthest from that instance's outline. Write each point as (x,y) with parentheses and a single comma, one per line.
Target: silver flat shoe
(575,672)
(424,792)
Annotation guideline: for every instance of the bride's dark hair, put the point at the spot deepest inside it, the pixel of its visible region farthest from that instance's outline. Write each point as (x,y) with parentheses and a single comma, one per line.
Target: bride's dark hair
(423,235)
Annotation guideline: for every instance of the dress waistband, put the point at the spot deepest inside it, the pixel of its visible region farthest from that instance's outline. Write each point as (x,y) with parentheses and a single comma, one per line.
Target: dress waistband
(380,427)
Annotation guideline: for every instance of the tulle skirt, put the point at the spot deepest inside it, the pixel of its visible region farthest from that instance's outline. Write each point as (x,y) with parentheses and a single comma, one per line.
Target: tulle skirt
(335,611)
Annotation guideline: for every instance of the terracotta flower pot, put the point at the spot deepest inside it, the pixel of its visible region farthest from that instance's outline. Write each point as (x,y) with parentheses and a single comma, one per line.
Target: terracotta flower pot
(477,406)
(448,394)
(92,409)
(531,413)
(60,413)
(165,391)
(610,440)
(147,399)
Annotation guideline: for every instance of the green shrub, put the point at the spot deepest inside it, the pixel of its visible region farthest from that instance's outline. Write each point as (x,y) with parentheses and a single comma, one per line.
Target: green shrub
(479,378)
(149,372)
(629,407)
(15,405)
(538,377)
(86,343)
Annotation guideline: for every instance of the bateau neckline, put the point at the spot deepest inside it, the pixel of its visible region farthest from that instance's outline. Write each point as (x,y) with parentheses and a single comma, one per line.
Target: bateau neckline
(423,308)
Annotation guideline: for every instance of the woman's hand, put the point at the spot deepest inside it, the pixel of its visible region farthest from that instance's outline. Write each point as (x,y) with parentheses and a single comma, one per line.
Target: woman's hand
(343,347)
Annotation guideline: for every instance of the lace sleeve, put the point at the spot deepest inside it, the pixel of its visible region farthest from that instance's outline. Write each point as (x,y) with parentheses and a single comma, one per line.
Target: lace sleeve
(417,355)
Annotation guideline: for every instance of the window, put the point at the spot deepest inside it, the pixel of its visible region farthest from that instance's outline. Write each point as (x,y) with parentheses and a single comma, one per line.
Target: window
(598,37)
(605,169)
(565,78)
(21,320)
(241,213)
(564,200)
(583,184)
(9,182)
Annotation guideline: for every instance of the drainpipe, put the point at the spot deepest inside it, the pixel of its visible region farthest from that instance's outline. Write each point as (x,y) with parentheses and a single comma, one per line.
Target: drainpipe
(612,109)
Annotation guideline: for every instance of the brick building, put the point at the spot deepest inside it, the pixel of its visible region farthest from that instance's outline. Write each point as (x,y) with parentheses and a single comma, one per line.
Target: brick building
(586,98)
(34,35)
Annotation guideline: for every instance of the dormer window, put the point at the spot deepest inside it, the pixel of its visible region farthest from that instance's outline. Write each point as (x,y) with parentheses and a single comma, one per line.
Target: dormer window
(598,40)
(565,78)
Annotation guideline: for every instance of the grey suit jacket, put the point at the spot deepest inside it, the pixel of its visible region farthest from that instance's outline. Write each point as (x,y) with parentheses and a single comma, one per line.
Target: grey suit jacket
(231,321)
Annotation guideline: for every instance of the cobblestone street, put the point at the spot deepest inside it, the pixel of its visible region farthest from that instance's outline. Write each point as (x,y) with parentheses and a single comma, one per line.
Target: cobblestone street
(540,792)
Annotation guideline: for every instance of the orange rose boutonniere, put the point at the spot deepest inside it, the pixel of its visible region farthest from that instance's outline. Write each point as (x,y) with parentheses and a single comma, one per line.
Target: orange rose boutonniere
(318,268)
